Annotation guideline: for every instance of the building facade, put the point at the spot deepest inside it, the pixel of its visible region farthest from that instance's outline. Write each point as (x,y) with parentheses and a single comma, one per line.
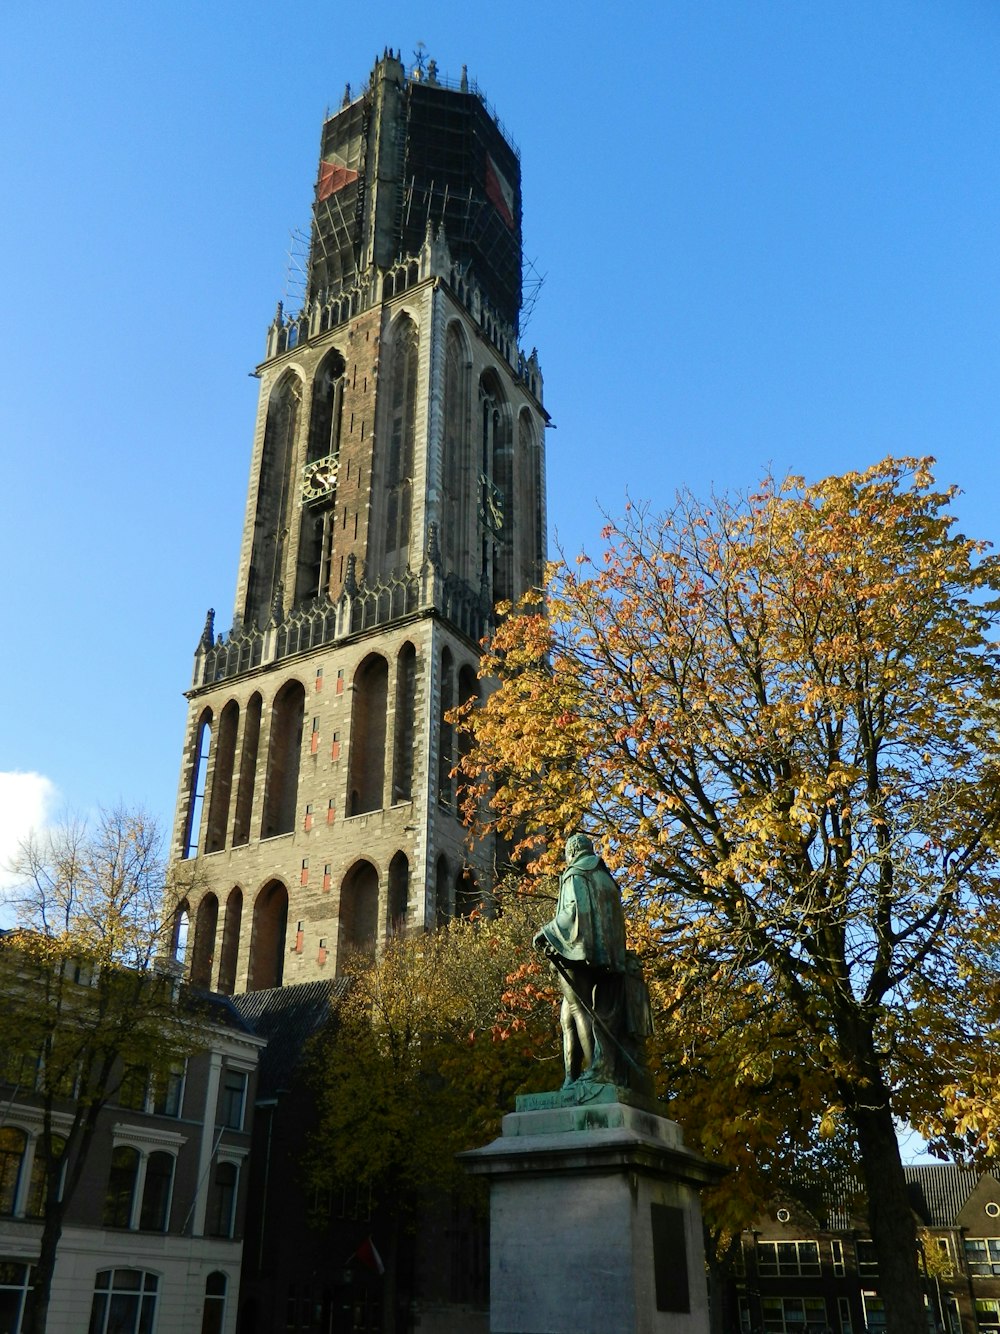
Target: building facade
(397,493)
(810,1266)
(153,1234)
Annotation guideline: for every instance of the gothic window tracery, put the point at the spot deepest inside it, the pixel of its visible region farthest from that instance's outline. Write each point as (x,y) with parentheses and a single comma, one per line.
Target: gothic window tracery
(456,486)
(319,489)
(406,677)
(274,500)
(400,431)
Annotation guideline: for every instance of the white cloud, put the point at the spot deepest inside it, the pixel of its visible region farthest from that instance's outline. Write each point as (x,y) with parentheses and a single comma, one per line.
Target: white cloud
(26,801)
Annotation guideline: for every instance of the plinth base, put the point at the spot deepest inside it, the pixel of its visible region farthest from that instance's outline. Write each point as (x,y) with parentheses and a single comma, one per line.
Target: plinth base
(595,1221)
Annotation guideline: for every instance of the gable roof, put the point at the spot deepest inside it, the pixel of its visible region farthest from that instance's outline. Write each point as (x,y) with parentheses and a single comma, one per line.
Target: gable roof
(288,1017)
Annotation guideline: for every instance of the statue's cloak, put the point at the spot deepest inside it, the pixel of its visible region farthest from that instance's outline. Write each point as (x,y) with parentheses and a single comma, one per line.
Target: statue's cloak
(589,925)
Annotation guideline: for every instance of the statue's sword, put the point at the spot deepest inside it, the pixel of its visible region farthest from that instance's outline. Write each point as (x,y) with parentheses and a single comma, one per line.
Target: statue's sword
(560,968)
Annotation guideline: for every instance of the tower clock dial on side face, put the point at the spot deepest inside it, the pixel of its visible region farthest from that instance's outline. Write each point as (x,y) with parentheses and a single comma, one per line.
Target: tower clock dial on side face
(319,478)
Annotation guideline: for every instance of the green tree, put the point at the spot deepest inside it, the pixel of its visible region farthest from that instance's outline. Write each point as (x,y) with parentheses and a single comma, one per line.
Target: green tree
(779,714)
(85,1004)
(425,1053)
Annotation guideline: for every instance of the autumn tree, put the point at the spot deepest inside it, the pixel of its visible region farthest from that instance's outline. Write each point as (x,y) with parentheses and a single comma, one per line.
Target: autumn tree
(779,714)
(85,1004)
(427,1050)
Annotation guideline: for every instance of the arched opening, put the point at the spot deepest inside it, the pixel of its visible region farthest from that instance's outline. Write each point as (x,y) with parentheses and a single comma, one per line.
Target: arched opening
(358,912)
(199,775)
(468,688)
(180,929)
(442,889)
(248,772)
(316,527)
(498,498)
(267,946)
(398,463)
(367,771)
(222,778)
(203,954)
(456,488)
(446,730)
(399,893)
(274,500)
(531,489)
(230,942)
(406,682)
(282,783)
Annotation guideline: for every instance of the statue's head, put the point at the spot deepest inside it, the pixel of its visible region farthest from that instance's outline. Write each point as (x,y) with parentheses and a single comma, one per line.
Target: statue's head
(578,845)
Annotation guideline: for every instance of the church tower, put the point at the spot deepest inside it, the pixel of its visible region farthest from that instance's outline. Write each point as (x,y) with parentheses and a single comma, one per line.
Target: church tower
(397,493)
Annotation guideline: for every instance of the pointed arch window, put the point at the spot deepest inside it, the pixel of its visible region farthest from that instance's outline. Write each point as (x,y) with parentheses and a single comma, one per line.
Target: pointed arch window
(358,912)
(400,447)
(222,778)
(267,946)
(199,777)
(399,893)
(446,732)
(248,771)
(203,954)
(274,500)
(230,942)
(402,767)
(319,481)
(368,736)
(282,784)
(456,485)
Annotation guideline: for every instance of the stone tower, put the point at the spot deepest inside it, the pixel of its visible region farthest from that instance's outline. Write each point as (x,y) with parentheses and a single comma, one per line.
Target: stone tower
(396,494)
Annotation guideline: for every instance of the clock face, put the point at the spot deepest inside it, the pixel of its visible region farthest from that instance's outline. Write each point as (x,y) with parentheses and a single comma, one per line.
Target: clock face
(319,478)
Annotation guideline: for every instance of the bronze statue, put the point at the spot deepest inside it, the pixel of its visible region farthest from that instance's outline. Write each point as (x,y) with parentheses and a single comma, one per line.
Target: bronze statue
(605,1010)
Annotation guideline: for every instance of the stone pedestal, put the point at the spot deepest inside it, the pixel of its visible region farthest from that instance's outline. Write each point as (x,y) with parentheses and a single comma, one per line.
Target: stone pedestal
(595,1221)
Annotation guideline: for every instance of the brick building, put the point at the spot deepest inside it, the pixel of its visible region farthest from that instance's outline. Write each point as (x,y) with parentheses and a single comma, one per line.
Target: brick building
(396,494)
(153,1233)
(809,1266)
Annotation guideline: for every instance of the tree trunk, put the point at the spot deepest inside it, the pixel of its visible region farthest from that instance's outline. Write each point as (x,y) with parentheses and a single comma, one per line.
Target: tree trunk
(890,1214)
(38,1306)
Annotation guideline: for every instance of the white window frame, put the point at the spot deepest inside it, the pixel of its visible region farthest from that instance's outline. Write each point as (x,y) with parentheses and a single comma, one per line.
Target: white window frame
(775,1269)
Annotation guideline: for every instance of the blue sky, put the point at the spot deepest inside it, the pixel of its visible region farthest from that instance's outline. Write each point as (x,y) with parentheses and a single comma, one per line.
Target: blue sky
(768,232)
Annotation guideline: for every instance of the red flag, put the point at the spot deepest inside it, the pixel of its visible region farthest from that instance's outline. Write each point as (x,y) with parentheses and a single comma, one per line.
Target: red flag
(369,1256)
